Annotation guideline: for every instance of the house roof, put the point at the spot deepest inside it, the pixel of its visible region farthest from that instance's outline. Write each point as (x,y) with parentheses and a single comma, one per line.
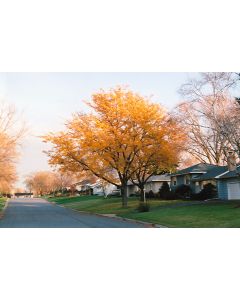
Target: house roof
(84,182)
(156,178)
(231,174)
(163,177)
(199,168)
(211,174)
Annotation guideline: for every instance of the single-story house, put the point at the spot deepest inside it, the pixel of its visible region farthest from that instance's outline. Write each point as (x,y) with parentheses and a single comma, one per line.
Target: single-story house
(84,187)
(89,187)
(209,177)
(229,185)
(154,184)
(23,195)
(225,178)
(197,176)
(99,190)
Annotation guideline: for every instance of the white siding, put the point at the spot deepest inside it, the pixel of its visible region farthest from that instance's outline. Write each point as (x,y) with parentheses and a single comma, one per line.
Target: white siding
(153,186)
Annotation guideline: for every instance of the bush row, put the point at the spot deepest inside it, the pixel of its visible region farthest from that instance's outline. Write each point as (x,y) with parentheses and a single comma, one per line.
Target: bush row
(209,191)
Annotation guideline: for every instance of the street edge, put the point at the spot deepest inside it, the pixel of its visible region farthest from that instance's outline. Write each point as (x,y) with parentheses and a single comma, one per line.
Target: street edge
(4,208)
(147,224)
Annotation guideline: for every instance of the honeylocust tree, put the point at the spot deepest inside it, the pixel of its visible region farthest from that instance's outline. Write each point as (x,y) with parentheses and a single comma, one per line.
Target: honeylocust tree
(113,141)
(160,153)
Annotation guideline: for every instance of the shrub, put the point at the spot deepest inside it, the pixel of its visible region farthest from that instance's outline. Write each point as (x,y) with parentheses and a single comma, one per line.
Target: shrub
(65,191)
(171,196)
(183,191)
(143,207)
(209,191)
(150,195)
(164,190)
(58,194)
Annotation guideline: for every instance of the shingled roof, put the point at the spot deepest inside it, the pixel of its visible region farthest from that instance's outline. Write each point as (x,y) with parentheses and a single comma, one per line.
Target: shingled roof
(199,168)
(156,178)
(212,173)
(231,174)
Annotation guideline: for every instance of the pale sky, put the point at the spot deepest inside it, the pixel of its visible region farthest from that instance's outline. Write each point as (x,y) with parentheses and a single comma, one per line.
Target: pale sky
(48,99)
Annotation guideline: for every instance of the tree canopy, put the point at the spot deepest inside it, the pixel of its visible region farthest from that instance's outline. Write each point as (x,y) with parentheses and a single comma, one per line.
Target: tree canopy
(124,135)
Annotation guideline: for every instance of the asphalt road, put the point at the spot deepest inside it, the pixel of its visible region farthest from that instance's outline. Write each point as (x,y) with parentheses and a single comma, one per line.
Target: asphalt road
(39,213)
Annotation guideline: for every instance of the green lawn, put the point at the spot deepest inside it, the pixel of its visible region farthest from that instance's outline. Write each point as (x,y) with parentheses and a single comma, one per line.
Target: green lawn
(210,215)
(202,215)
(97,204)
(2,203)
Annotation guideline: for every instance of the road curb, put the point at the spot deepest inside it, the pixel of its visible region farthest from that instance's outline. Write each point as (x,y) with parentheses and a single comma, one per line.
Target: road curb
(4,208)
(148,225)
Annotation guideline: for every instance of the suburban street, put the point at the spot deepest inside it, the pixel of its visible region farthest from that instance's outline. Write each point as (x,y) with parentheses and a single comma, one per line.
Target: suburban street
(39,213)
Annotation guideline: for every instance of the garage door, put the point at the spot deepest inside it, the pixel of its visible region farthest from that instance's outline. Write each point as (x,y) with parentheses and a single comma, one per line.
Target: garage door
(234,190)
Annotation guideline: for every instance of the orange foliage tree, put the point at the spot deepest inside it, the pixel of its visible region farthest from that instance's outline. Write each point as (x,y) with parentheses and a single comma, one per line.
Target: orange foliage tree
(160,153)
(12,130)
(125,135)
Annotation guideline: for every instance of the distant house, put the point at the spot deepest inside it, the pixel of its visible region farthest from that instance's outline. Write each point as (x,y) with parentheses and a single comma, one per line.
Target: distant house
(89,187)
(23,195)
(197,176)
(229,185)
(84,187)
(106,190)
(154,184)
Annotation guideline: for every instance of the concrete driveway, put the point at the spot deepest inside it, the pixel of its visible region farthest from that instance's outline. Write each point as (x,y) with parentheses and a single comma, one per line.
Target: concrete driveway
(39,213)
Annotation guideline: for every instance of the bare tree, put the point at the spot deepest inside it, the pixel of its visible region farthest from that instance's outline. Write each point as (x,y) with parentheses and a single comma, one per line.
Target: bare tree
(209,84)
(229,125)
(201,114)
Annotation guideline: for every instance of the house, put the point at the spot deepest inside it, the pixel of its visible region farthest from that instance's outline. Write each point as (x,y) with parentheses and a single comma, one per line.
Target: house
(23,195)
(209,177)
(229,185)
(84,187)
(197,176)
(100,189)
(95,187)
(154,184)
(225,178)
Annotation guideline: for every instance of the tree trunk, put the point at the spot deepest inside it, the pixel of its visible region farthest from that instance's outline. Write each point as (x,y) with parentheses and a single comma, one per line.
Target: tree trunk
(124,196)
(142,195)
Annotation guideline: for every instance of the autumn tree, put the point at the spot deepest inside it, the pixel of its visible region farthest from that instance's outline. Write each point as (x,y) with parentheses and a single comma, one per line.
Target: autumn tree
(207,98)
(12,130)
(46,182)
(65,180)
(122,127)
(41,182)
(161,150)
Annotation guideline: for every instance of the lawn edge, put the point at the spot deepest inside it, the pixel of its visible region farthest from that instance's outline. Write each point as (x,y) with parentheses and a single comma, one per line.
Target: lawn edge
(147,224)
(150,225)
(4,208)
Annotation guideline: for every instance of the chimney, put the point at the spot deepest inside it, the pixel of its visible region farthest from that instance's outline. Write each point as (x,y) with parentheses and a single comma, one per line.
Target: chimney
(231,161)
